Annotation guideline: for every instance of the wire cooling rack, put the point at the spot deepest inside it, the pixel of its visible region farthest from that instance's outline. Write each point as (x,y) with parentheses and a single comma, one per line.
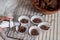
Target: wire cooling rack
(25,8)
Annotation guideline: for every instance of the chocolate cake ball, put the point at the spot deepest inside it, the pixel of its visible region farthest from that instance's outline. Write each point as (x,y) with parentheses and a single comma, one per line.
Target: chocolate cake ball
(34,32)
(22,29)
(43,27)
(24,21)
(37,20)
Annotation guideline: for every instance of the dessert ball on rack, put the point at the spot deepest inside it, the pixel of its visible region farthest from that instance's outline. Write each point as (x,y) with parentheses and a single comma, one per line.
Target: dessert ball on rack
(24,19)
(36,19)
(22,29)
(33,31)
(44,26)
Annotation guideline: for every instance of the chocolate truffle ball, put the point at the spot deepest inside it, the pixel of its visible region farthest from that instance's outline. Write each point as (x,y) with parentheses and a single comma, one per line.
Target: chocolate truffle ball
(37,20)
(34,32)
(43,27)
(22,29)
(24,21)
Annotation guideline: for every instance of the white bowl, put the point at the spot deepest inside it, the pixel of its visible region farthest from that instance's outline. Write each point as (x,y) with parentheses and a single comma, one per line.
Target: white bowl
(44,23)
(24,17)
(32,18)
(33,27)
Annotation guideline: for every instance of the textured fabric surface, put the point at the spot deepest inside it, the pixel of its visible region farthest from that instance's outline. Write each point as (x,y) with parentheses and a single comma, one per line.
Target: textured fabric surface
(16,8)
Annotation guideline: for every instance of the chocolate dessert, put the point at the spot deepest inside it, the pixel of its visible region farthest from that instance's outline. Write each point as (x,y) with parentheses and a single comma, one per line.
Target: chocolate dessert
(22,29)
(43,27)
(46,6)
(37,20)
(34,32)
(24,21)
